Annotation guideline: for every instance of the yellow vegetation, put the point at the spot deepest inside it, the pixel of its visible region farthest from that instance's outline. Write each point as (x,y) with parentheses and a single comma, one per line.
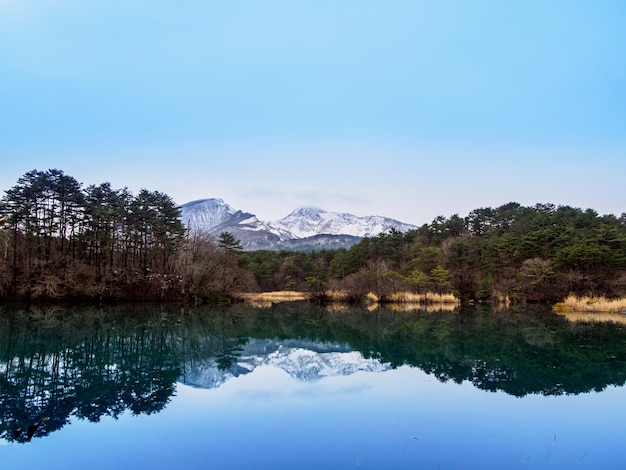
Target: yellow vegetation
(593,317)
(427,298)
(337,295)
(591,304)
(431,308)
(266,299)
(401,301)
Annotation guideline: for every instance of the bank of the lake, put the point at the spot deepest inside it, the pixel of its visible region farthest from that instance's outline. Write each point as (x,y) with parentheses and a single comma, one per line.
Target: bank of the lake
(60,241)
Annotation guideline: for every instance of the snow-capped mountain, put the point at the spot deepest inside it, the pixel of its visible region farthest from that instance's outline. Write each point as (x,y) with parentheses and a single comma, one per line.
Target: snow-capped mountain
(308,222)
(206,213)
(305,362)
(304,229)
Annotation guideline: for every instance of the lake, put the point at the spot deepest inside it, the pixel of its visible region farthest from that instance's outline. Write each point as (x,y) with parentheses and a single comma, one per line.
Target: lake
(296,385)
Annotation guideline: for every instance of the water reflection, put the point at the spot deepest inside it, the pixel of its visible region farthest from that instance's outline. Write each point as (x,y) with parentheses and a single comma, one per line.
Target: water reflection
(56,364)
(84,363)
(300,359)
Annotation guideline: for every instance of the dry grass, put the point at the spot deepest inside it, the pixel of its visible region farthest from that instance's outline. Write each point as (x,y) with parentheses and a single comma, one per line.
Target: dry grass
(427,298)
(400,301)
(591,304)
(266,299)
(597,317)
(337,296)
(414,307)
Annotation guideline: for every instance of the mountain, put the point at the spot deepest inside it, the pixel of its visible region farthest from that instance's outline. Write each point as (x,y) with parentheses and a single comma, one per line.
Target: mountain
(205,213)
(304,229)
(308,222)
(302,360)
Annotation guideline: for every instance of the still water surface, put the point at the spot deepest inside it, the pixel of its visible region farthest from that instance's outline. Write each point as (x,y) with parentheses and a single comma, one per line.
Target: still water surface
(299,386)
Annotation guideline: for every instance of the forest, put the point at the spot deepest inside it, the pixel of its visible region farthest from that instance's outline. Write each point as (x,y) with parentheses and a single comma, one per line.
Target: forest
(62,241)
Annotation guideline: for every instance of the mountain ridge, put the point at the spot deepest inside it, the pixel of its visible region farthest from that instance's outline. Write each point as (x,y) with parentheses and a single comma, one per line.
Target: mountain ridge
(303,229)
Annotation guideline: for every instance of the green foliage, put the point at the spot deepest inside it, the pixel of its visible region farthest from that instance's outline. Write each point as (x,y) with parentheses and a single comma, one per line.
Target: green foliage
(441,278)
(264,266)
(539,253)
(418,280)
(67,241)
(229,243)
(61,240)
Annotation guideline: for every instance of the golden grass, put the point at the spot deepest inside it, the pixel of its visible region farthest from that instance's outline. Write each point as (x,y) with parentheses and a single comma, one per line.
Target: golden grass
(266,299)
(591,304)
(401,301)
(594,317)
(427,298)
(337,295)
(414,307)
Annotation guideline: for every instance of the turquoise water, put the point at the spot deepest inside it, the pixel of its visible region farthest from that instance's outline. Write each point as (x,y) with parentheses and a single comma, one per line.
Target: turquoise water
(302,387)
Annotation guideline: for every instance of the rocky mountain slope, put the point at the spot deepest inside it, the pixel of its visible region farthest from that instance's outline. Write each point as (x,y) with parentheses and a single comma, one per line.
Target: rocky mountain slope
(302,230)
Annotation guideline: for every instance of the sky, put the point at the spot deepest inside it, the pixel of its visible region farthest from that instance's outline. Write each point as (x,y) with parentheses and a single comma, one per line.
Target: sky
(408,109)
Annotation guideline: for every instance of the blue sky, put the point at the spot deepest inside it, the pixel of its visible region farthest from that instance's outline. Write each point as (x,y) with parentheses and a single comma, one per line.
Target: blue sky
(408,109)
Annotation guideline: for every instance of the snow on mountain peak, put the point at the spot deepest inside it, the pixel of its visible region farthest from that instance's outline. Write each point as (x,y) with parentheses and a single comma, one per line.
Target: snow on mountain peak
(204,214)
(306,212)
(309,221)
(301,226)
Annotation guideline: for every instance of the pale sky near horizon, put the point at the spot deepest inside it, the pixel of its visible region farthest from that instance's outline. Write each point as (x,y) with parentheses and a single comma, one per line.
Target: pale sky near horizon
(405,108)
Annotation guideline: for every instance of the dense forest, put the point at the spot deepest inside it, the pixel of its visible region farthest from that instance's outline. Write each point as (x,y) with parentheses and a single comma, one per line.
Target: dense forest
(510,253)
(60,240)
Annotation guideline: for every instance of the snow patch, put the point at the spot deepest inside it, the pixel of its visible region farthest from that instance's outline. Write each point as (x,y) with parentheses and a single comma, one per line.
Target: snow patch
(208,214)
(299,363)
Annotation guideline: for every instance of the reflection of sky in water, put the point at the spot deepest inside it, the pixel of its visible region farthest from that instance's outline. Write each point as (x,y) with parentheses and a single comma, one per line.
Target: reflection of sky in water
(400,418)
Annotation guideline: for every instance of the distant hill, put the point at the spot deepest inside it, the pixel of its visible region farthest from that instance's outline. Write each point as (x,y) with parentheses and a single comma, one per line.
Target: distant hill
(304,229)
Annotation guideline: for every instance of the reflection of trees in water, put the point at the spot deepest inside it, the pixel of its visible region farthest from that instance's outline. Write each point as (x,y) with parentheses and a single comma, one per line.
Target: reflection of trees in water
(217,333)
(90,363)
(82,364)
(519,351)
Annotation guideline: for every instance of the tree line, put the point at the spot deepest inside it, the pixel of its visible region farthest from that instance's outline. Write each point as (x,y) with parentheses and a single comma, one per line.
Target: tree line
(61,240)
(509,253)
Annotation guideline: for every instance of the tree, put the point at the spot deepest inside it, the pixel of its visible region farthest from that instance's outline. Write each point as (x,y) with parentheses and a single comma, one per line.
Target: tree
(537,279)
(229,243)
(418,280)
(105,210)
(441,278)
(156,227)
(461,262)
(60,233)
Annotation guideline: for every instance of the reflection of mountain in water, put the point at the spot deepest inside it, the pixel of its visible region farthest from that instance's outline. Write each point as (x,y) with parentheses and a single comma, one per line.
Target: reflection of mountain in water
(302,360)
(61,364)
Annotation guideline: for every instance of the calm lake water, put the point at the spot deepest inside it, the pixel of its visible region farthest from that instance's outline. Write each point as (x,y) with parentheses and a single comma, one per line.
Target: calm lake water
(300,386)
